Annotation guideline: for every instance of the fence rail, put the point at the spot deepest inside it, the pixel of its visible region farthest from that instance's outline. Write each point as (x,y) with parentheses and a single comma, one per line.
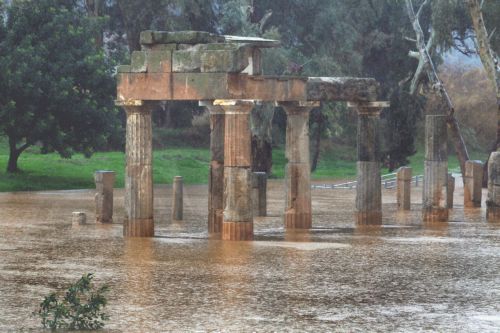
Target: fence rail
(387,181)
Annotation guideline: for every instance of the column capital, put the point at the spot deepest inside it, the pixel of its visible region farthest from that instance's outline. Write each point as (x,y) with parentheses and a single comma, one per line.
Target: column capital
(137,105)
(235,106)
(369,108)
(300,107)
(212,109)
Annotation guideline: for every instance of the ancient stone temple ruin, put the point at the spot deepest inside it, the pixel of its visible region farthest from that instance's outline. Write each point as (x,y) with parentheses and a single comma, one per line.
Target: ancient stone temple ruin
(224,73)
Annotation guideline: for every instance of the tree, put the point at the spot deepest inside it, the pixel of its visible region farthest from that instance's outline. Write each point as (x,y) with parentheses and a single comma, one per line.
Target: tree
(56,89)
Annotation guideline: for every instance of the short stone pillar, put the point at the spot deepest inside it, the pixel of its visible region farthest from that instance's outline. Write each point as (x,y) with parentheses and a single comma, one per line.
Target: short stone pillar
(404,188)
(298,212)
(435,191)
(368,188)
(104,182)
(139,170)
(473,189)
(177,200)
(237,221)
(451,190)
(79,218)
(259,195)
(493,200)
(216,172)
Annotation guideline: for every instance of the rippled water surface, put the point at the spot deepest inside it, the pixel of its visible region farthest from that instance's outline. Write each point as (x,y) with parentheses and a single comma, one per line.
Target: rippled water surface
(402,276)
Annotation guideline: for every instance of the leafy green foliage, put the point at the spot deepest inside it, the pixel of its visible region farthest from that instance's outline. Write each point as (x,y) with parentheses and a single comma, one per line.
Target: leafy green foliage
(80,309)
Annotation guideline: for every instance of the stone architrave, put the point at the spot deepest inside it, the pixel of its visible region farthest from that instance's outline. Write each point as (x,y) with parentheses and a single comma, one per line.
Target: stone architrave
(368,188)
(493,200)
(473,189)
(216,173)
(139,170)
(298,212)
(237,221)
(404,188)
(104,182)
(177,198)
(435,190)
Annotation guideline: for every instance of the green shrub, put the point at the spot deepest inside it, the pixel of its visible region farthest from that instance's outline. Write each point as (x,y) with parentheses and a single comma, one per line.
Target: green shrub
(80,309)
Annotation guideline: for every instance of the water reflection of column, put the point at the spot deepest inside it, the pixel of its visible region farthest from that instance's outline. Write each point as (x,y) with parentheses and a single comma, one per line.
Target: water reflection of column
(238,209)
(435,191)
(139,171)
(368,188)
(298,169)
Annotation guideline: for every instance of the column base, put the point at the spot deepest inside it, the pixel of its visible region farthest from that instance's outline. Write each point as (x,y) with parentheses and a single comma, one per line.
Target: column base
(215,221)
(435,215)
(138,228)
(104,220)
(237,231)
(295,220)
(472,204)
(493,213)
(373,217)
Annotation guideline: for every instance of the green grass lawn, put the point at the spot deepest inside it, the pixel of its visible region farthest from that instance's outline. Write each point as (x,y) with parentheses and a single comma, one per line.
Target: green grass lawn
(50,172)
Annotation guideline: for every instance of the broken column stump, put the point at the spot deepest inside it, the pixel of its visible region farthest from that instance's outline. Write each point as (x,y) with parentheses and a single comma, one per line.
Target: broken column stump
(177,198)
(493,200)
(473,189)
(237,221)
(368,188)
(451,190)
(259,195)
(79,218)
(298,212)
(435,191)
(404,188)
(104,182)
(139,170)
(216,172)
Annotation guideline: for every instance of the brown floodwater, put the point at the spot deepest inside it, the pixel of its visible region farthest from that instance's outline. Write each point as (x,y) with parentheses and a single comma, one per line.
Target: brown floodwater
(403,276)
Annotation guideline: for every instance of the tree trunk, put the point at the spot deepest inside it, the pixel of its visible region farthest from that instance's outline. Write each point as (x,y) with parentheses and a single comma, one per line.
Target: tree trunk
(14,154)
(261,125)
(94,10)
(426,67)
(491,64)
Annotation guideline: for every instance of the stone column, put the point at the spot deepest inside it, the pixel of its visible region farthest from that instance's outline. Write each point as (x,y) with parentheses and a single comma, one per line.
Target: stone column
(404,188)
(216,173)
(177,198)
(435,191)
(139,171)
(451,190)
(473,187)
(237,221)
(104,181)
(259,189)
(493,201)
(298,213)
(368,188)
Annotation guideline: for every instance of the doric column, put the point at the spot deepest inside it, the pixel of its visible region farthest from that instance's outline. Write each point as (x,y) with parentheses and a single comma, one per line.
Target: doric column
(435,191)
(368,188)
(216,173)
(493,201)
(404,188)
(139,170)
(473,183)
(298,213)
(237,221)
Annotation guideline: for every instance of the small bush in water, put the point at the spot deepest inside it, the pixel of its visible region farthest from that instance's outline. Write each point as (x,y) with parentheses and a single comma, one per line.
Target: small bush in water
(80,309)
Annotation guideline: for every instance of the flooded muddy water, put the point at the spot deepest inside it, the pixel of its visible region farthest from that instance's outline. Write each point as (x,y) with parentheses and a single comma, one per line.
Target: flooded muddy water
(403,276)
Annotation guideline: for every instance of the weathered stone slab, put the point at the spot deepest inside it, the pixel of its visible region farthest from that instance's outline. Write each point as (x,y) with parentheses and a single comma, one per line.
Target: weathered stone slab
(342,89)
(144,86)
(254,41)
(138,62)
(124,69)
(225,60)
(178,37)
(159,61)
(238,205)
(160,47)
(473,180)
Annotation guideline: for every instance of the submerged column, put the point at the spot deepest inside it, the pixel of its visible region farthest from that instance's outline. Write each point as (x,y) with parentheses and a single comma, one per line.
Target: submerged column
(237,221)
(473,183)
(216,173)
(493,201)
(404,188)
(435,191)
(298,213)
(139,170)
(104,181)
(368,188)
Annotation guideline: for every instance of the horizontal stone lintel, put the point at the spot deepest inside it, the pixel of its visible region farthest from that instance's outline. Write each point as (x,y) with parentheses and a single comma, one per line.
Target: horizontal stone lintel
(211,86)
